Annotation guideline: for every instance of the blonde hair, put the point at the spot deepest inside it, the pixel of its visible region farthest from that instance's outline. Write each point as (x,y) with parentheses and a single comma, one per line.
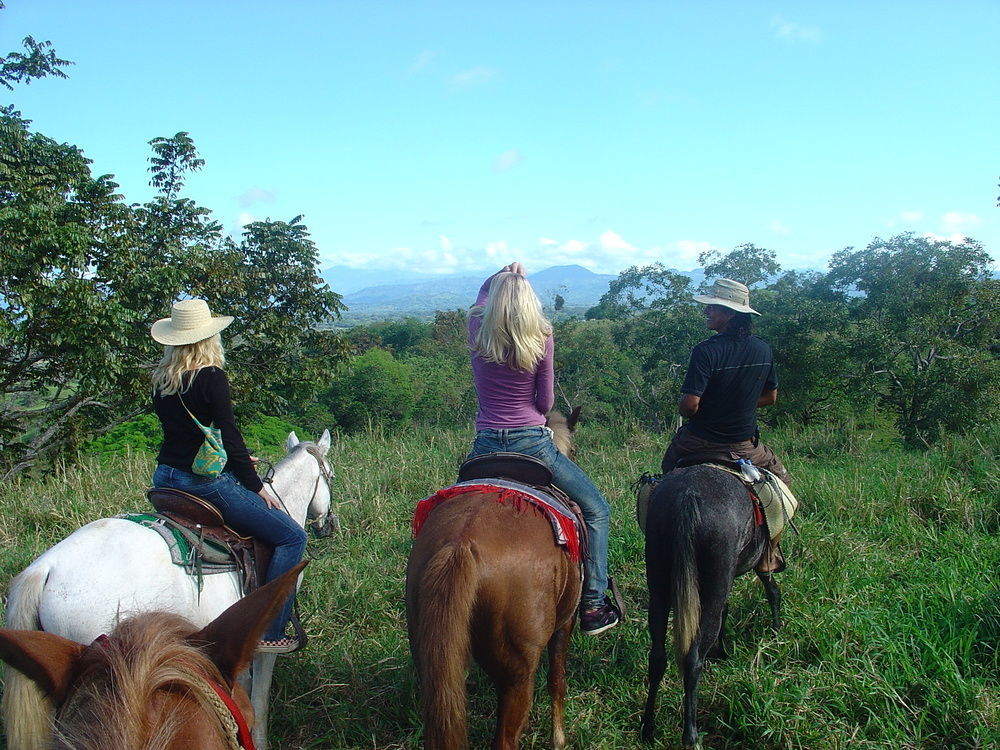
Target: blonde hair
(168,376)
(514,328)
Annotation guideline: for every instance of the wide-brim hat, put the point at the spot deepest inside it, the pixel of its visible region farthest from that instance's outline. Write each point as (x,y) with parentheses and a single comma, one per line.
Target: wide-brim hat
(190,321)
(728,293)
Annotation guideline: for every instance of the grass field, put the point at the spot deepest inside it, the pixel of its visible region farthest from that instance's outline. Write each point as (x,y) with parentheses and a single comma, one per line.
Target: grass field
(891,608)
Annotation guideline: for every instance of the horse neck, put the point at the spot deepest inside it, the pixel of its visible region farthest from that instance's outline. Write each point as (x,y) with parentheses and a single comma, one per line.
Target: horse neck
(295,482)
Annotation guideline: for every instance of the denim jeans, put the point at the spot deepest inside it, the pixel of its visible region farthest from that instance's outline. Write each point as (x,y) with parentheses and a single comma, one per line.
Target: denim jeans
(571,479)
(247,513)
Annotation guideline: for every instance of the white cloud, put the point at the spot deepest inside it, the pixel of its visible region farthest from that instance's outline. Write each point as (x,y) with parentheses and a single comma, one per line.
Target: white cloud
(246,218)
(793,31)
(608,253)
(779,227)
(956,237)
(507,160)
(956,220)
(904,217)
(472,77)
(256,195)
(422,62)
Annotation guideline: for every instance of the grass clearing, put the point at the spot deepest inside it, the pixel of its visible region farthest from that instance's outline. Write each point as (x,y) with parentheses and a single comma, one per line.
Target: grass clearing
(891,599)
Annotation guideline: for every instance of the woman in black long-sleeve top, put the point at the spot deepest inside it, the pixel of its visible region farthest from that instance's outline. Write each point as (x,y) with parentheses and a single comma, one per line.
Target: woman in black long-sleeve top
(188,383)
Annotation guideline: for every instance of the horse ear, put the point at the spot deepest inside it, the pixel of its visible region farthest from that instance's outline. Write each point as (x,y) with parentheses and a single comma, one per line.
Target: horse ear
(574,417)
(291,442)
(324,442)
(230,640)
(47,659)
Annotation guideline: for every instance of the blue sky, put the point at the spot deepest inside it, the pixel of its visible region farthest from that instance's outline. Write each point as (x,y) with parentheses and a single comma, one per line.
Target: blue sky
(459,136)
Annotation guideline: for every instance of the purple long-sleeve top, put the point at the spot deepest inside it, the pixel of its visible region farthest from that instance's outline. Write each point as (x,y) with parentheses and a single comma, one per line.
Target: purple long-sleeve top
(509,398)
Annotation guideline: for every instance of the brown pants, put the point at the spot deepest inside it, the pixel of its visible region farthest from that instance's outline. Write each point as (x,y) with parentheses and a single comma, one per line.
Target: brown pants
(687,449)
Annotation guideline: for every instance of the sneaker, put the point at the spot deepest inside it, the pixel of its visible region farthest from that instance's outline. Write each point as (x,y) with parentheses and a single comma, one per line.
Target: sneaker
(594,621)
(284,645)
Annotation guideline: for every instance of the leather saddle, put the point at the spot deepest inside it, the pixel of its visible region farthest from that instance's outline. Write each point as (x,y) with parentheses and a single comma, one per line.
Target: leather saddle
(514,466)
(517,467)
(250,555)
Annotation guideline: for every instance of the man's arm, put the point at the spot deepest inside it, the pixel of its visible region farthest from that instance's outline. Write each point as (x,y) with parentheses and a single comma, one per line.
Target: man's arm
(688,405)
(768,397)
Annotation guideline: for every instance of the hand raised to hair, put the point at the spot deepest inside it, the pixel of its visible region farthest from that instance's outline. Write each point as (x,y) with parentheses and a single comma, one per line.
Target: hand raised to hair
(515,267)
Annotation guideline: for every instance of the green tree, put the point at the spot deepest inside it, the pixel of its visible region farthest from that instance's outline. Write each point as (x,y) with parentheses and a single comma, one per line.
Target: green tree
(374,386)
(84,275)
(928,312)
(639,289)
(747,263)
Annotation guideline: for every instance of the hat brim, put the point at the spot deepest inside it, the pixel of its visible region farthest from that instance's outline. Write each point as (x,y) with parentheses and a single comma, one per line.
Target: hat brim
(163,331)
(706,300)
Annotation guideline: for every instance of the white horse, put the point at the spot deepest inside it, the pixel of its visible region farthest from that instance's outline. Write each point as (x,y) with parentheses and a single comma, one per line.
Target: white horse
(113,568)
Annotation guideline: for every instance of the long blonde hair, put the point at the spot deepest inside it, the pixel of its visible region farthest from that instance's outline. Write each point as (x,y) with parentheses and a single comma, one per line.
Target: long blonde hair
(168,376)
(514,328)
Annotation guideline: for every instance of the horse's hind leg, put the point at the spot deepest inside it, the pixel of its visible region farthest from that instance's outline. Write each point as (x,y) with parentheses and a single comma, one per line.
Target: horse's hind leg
(721,648)
(658,611)
(773,594)
(513,705)
(693,665)
(558,649)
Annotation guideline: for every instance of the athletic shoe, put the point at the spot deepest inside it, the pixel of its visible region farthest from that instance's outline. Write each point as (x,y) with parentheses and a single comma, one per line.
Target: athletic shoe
(284,645)
(594,621)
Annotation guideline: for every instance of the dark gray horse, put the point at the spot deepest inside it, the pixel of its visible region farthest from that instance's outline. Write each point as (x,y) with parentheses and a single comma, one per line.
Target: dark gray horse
(701,533)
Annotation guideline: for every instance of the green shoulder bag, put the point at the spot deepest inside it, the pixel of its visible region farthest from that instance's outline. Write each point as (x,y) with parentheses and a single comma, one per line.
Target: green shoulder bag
(211,456)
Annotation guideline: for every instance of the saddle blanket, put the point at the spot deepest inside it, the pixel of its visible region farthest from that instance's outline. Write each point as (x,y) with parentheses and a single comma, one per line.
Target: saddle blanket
(518,495)
(774,502)
(197,555)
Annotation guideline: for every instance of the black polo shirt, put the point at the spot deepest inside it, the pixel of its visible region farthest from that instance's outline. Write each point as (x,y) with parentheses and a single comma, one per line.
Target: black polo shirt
(729,372)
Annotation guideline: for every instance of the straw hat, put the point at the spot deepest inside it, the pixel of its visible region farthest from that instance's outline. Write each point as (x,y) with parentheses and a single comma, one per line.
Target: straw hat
(728,293)
(190,321)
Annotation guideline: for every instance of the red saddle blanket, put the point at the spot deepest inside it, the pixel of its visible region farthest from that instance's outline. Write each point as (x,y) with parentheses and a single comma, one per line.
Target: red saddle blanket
(521,497)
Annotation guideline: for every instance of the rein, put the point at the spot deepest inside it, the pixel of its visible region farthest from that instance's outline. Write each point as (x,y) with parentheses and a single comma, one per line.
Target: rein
(325,474)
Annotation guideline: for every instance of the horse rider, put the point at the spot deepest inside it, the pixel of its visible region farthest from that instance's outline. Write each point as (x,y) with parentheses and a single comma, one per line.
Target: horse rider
(510,343)
(729,376)
(188,381)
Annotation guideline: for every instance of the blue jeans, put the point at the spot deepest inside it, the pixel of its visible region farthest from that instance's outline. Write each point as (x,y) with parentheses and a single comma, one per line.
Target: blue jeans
(247,513)
(571,479)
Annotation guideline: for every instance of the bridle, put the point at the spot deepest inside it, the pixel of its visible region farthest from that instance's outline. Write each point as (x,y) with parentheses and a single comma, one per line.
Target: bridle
(326,474)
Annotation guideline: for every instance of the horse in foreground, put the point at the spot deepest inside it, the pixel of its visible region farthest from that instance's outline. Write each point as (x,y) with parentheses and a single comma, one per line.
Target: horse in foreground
(701,533)
(155,683)
(113,568)
(486,580)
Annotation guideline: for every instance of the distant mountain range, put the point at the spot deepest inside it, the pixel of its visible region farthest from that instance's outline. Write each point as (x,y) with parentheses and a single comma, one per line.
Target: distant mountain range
(373,295)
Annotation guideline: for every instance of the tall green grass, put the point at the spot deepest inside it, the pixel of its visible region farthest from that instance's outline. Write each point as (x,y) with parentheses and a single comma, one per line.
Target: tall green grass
(891,598)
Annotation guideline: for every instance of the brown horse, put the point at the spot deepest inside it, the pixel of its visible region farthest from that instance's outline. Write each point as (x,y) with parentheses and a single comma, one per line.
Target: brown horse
(154,683)
(487,581)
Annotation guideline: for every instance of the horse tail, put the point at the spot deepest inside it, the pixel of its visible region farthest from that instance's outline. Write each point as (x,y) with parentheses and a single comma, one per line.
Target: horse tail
(26,710)
(685,597)
(447,592)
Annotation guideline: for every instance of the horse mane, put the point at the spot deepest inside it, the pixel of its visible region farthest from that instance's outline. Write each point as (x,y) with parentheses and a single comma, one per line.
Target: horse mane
(302,444)
(562,433)
(113,702)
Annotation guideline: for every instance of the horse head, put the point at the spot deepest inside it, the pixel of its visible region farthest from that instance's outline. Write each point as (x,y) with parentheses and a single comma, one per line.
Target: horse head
(562,430)
(154,681)
(320,513)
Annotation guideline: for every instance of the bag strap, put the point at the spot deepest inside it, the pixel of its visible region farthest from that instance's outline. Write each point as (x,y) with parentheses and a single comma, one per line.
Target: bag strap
(201,427)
